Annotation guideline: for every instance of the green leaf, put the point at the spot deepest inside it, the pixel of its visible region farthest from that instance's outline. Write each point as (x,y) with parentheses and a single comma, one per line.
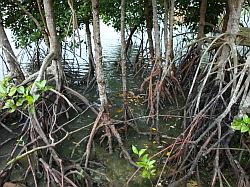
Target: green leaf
(2,96)
(141,164)
(41,84)
(237,123)
(144,158)
(145,174)
(135,150)
(20,101)
(246,119)
(9,103)
(35,97)
(244,128)
(5,81)
(21,89)
(3,90)
(12,91)
(38,85)
(236,126)
(29,99)
(141,152)
(27,91)
(48,88)
(152,172)
(151,162)
(13,109)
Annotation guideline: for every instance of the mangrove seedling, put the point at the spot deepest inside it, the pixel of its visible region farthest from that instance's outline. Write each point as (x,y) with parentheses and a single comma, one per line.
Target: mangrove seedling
(144,162)
(241,124)
(13,96)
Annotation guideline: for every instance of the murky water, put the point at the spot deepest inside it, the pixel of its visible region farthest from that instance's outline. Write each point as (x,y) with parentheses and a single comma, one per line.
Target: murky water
(117,169)
(114,166)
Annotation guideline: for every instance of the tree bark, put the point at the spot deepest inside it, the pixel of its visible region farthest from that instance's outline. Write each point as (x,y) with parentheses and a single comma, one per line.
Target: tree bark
(149,17)
(123,61)
(166,10)
(235,7)
(203,9)
(170,51)
(91,73)
(225,18)
(98,55)
(54,47)
(156,32)
(50,21)
(11,60)
(132,31)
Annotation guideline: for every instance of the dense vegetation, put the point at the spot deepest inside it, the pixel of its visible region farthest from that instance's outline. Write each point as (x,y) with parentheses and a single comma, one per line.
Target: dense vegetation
(206,68)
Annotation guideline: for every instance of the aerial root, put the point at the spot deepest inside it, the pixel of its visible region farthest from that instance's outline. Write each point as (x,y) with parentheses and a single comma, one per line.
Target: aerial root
(110,130)
(215,96)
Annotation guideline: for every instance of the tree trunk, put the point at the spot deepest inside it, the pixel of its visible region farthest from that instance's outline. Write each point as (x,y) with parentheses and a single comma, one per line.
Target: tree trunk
(132,31)
(123,60)
(203,9)
(11,60)
(149,17)
(98,55)
(225,19)
(235,7)
(50,21)
(91,72)
(166,10)
(170,51)
(156,32)
(54,47)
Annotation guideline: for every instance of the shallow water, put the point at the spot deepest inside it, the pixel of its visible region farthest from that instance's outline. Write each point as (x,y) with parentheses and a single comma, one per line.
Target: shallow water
(117,169)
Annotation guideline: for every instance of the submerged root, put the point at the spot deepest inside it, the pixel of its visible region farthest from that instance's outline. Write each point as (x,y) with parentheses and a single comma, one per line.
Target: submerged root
(37,141)
(162,86)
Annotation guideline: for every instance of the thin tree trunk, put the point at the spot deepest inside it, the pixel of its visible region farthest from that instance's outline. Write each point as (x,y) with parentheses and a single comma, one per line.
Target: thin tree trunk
(170,51)
(226,18)
(91,73)
(11,60)
(166,11)
(132,31)
(98,55)
(50,21)
(203,9)
(149,16)
(235,7)
(103,116)
(156,32)
(123,61)
(54,47)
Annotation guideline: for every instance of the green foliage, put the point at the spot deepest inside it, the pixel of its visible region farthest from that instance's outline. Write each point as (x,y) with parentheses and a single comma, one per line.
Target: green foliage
(144,162)
(24,28)
(13,96)
(110,11)
(241,124)
(190,11)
